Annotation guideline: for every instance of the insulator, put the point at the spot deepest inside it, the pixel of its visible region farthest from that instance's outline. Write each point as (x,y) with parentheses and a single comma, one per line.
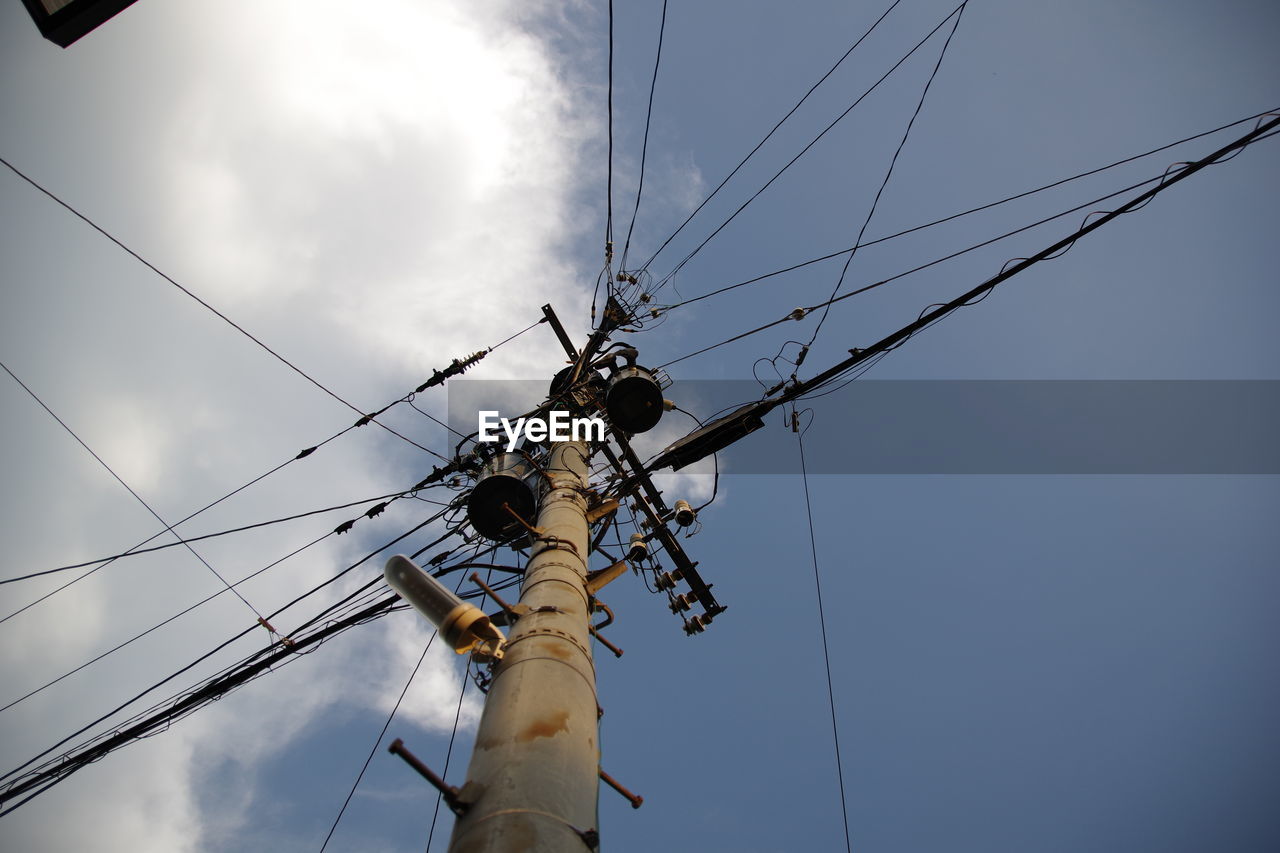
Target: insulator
(633,400)
(665,581)
(683,602)
(685,514)
(508,479)
(639,548)
(695,625)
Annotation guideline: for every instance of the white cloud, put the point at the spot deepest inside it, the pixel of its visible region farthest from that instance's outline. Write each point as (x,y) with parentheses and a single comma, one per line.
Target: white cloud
(372,195)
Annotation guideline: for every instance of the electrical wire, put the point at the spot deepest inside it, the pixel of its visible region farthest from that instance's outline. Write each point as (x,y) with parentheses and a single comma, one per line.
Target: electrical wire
(801,313)
(40,780)
(669,276)
(135,551)
(438,378)
(136,496)
(933,314)
(457,717)
(771,132)
(378,740)
(822,624)
(888,173)
(644,146)
(203,303)
(963,213)
(233,639)
(279,652)
(160,625)
(608,226)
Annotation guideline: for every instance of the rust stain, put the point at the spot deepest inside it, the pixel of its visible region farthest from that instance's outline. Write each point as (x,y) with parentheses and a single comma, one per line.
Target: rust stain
(548,726)
(559,650)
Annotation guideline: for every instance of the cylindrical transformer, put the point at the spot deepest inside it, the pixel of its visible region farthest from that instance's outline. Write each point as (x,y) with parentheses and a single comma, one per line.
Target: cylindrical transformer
(506,486)
(633,400)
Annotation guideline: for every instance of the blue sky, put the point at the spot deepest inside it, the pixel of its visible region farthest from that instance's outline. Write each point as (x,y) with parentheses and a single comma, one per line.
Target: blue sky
(1019,662)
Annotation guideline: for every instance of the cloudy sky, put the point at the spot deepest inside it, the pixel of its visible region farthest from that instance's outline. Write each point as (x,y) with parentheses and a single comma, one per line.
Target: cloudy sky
(1044,663)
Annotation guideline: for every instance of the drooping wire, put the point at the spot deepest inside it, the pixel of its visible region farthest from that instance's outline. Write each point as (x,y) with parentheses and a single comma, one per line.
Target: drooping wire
(888,174)
(644,146)
(822,624)
(768,135)
(676,269)
(136,496)
(457,717)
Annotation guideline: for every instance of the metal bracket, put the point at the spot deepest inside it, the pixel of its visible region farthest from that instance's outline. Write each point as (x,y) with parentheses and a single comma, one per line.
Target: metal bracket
(553,543)
(597,579)
(595,629)
(635,799)
(602,509)
(451,795)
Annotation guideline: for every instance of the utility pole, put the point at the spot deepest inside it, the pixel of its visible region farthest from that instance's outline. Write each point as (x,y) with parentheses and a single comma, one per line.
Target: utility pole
(533,780)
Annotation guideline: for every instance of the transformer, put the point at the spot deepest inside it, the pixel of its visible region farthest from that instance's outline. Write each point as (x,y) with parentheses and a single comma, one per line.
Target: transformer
(510,479)
(633,399)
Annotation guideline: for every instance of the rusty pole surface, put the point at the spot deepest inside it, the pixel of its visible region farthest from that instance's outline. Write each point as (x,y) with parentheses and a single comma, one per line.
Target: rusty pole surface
(532,785)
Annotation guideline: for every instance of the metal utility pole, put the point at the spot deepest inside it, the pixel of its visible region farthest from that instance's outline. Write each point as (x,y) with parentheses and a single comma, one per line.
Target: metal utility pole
(532,784)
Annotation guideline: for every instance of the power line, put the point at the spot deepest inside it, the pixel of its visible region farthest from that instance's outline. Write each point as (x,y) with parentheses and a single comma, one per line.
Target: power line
(963,213)
(888,173)
(767,136)
(801,313)
(135,551)
(608,226)
(378,739)
(644,146)
(40,781)
(137,496)
(438,378)
(95,226)
(934,313)
(240,635)
(280,651)
(161,624)
(669,276)
(822,623)
(448,755)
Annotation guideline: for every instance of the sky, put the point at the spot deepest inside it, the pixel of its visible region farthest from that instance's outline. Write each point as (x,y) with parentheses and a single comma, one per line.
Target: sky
(1044,662)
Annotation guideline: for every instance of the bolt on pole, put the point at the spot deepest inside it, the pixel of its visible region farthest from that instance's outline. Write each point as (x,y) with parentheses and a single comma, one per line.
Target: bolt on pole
(532,785)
